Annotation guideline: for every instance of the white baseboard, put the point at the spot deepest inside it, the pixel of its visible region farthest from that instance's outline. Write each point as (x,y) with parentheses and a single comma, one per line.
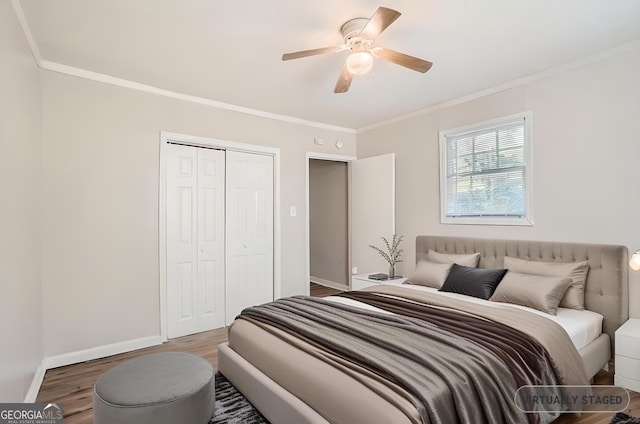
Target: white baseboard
(83,356)
(329,283)
(38,377)
(100,352)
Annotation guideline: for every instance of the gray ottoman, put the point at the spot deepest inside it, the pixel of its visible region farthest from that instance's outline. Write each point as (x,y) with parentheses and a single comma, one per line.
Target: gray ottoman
(160,388)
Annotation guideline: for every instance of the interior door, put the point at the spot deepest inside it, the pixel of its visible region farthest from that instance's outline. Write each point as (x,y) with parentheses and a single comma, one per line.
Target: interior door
(372,210)
(249,253)
(195,239)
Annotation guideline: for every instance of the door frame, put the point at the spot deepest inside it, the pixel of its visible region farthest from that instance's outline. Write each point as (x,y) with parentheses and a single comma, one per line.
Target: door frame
(197,141)
(307,235)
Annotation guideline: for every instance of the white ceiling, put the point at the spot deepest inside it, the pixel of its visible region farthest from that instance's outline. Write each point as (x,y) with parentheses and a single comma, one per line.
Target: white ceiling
(230,50)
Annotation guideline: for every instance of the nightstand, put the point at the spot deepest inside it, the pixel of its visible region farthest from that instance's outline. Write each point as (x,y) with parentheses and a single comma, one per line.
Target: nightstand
(628,355)
(361,281)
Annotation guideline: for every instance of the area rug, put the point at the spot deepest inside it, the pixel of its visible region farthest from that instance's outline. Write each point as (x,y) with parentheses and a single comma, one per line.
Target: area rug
(232,407)
(622,418)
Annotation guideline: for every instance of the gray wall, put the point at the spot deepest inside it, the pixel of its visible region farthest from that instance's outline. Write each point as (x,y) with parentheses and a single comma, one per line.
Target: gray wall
(586,153)
(328,221)
(20,270)
(100,164)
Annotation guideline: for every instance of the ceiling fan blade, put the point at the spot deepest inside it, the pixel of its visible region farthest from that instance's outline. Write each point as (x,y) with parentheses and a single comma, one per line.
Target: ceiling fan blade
(312,52)
(381,19)
(402,59)
(344,81)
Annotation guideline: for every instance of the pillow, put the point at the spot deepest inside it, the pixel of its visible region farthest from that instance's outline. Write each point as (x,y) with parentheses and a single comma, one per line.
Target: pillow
(429,274)
(465,259)
(535,291)
(477,282)
(574,296)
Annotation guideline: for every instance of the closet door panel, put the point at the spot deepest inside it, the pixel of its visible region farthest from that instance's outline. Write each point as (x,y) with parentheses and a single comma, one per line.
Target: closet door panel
(249,231)
(195,239)
(182,254)
(211,223)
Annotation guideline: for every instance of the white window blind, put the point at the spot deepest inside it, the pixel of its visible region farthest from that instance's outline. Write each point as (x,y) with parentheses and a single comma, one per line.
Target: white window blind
(485,178)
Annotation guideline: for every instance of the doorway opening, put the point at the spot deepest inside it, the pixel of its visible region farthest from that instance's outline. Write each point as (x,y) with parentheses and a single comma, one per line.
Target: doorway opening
(328,220)
(329,223)
(370,214)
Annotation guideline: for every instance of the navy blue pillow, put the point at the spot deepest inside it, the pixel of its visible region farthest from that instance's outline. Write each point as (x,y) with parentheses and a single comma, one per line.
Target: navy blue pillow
(476,282)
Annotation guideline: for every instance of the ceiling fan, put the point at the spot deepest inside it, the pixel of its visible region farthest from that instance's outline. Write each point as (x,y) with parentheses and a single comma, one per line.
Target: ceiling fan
(359,34)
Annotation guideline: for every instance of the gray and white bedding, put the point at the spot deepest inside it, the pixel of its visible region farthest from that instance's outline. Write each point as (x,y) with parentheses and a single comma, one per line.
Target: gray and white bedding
(418,357)
(582,326)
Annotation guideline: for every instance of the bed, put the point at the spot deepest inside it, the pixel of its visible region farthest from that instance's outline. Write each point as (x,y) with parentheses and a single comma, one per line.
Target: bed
(289,380)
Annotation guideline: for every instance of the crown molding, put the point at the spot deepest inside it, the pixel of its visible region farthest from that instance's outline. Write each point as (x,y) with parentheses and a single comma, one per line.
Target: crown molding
(120,82)
(598,57)
(35,51)
(108,79)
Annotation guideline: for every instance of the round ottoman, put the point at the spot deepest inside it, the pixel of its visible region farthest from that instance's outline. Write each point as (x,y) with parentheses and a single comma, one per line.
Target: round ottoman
(160,388)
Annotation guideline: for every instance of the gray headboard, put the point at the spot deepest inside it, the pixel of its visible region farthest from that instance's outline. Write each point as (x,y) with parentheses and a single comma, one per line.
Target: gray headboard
(606,290)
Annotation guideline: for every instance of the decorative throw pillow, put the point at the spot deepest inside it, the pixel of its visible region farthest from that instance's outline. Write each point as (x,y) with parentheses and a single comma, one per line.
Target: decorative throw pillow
(465,259)
(429,274)
(477,282)
(535,291)
(574,296)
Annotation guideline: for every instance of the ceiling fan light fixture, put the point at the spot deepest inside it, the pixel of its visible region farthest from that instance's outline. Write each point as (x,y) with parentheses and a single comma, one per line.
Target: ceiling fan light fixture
(359,63)
(359,35)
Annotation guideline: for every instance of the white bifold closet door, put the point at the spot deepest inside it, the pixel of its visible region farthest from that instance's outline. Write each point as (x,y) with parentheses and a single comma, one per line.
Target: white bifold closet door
(195,239)
(219,236)
(249,231)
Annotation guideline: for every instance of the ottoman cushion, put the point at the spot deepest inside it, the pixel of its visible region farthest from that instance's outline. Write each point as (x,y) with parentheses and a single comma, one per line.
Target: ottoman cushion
(159,388)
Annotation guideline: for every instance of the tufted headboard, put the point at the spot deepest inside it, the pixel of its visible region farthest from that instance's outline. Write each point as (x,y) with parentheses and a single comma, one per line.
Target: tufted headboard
(606,290)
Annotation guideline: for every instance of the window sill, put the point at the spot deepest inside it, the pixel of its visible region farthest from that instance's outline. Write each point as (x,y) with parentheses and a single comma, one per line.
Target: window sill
(522,222)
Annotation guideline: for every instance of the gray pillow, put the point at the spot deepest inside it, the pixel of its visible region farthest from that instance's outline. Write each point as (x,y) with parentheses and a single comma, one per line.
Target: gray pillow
(429,274)
(465,259)
(535,291)
(476,282)
(577,271)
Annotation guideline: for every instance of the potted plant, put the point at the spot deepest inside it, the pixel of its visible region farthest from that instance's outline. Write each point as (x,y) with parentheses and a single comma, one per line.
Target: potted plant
(392,253)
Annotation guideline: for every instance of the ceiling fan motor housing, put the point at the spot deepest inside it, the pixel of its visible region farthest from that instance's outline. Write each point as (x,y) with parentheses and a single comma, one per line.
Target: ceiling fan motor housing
(351,31)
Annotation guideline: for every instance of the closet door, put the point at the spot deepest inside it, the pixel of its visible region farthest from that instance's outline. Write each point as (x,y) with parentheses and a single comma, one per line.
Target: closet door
(211,234)
(249,205)
(195,239)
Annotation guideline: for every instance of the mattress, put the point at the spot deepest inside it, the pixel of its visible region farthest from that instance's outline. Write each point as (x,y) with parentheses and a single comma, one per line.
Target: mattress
(583,327)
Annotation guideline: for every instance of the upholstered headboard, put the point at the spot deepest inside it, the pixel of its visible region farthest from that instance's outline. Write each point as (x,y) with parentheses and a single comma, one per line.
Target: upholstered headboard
(606,290)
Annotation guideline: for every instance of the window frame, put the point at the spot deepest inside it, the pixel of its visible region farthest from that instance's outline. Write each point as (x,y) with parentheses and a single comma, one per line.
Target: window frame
(527,219)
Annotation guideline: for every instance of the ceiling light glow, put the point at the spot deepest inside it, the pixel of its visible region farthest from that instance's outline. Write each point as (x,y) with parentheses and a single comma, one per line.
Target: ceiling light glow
(359,63)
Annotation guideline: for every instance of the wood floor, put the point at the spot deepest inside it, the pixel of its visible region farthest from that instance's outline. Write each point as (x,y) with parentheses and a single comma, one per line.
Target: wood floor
(73,385)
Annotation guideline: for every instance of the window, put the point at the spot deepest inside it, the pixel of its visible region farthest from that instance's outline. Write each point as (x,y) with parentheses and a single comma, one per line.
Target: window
(485,173)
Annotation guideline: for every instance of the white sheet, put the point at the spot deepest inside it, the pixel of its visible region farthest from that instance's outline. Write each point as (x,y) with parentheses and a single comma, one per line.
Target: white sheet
(583,327)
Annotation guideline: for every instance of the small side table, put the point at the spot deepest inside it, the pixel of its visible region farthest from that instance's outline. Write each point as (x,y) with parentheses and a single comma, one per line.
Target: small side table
(628,355)
(361,281)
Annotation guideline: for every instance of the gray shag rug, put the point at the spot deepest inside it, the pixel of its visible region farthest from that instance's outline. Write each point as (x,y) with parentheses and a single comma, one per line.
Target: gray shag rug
(232,407)
(622,418)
